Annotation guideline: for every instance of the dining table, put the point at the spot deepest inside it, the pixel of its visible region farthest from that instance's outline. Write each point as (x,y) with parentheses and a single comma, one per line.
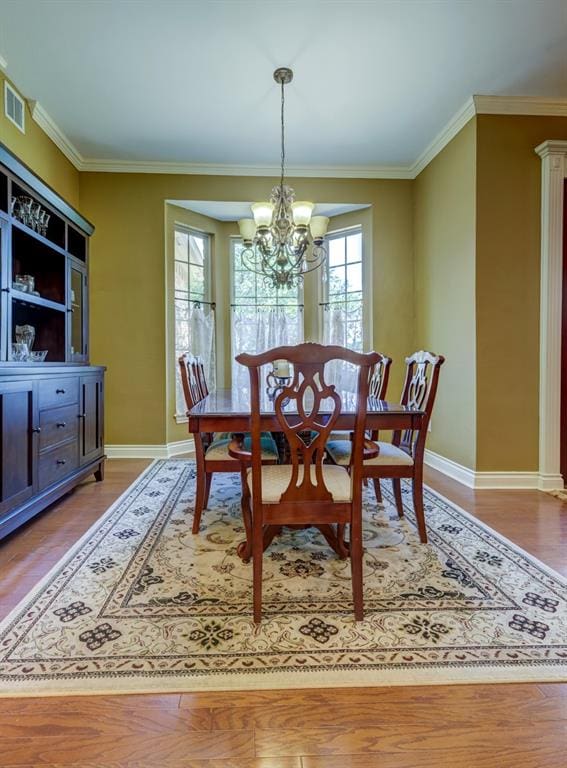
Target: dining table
(228,411)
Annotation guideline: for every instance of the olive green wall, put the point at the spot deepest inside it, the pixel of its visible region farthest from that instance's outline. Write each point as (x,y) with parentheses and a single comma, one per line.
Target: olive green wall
(444,226)
(477,267)
(508,203)
(37,151)
(128,329)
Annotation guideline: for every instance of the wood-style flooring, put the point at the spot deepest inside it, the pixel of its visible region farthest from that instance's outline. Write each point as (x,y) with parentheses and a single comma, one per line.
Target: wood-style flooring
(474,726)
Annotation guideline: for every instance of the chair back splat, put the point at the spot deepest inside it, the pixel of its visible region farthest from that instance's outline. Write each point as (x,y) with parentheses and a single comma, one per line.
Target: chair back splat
(193,380)
(379,378)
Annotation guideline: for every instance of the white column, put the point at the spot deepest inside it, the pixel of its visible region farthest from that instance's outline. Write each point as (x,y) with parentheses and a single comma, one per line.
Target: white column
(554,170)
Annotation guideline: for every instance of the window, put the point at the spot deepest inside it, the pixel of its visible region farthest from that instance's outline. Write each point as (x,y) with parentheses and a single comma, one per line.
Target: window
(343,301)
(262,316)
(194,316)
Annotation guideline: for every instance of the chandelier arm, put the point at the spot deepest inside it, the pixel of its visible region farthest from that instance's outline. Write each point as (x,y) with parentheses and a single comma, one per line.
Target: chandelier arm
(251,266)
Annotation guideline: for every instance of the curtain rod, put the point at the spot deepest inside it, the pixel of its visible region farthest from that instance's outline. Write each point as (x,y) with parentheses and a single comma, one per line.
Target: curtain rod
(259,306)
(339,301)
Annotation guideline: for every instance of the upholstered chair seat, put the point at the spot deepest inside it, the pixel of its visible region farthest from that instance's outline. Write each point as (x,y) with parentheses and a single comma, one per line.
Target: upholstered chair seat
(339,451)
(218,449)
(276,479)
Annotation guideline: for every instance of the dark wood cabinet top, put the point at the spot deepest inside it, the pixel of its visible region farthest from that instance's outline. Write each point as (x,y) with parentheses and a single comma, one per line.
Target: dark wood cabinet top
(24,370)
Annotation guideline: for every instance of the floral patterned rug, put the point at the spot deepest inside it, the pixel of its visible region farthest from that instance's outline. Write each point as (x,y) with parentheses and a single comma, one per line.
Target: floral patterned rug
(140,604)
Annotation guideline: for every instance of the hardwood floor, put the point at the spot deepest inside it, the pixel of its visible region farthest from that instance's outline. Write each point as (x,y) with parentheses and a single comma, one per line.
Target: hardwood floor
(476,726)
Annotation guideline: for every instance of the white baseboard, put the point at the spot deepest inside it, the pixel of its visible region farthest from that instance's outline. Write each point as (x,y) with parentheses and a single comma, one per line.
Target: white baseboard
(450,468)
(492,480)
(458,472)
(163,451)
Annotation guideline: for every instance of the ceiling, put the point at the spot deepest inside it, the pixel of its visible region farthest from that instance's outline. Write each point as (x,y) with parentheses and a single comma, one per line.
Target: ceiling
(173,81)
(225,211)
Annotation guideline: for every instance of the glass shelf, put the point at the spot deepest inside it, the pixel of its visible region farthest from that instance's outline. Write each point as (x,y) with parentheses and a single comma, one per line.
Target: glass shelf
(49,325)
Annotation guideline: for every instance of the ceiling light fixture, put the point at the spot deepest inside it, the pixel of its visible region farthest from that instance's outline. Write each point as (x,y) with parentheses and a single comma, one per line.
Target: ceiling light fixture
(277,244)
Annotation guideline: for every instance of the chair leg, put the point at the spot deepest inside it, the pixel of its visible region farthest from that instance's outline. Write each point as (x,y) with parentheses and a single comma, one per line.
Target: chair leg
(377,489)
(356,564)
(245,549)
(208,480)
(417,488)
(199,501)
(397,486)
(257,555)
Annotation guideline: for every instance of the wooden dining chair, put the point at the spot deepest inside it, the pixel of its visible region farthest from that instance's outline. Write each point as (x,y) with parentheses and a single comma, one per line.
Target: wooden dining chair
(379,376)
(403,457)
(211,450)
(287,495)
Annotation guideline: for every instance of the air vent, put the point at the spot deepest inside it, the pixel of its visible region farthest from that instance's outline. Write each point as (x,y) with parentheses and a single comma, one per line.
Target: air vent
(14,107)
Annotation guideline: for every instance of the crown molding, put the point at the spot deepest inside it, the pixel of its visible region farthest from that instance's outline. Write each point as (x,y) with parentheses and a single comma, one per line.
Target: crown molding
(483,105)
(520,105)
(448,132)
(50,127)
(210,169)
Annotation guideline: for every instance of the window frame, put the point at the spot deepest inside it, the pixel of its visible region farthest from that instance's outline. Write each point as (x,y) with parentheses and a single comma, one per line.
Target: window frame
(207,237)
(366,270)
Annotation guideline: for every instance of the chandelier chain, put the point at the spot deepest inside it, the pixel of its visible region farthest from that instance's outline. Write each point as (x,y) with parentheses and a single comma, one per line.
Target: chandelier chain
(279,247)
(283,137)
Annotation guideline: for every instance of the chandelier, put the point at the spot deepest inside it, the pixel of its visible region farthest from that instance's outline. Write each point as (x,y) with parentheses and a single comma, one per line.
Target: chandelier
(277,242)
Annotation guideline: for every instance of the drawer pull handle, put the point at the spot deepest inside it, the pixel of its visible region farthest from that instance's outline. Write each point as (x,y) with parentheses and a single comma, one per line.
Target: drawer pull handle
(61,461)
(36,430)
(59,391)
(60,424)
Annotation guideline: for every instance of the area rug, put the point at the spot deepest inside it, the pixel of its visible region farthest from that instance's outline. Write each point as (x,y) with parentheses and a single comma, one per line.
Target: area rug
(140,604)
(559,494)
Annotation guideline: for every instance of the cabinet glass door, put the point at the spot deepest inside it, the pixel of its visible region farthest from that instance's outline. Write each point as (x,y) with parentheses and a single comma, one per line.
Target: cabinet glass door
(77,313)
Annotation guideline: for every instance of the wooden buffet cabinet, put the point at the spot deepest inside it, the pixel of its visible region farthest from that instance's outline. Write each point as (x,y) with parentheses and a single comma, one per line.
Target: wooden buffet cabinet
(51,412)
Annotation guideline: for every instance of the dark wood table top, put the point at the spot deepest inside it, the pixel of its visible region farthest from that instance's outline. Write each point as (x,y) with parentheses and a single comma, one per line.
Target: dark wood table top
(234,402)
(230,408)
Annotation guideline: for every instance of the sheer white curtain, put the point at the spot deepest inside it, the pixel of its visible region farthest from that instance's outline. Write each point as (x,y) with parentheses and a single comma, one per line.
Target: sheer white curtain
(195,333)
(342,375)
(202,341)
(255,330)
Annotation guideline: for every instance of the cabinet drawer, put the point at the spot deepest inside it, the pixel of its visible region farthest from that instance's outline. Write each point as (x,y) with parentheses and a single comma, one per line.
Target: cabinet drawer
(56,391)
(56,464)
(58,425)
